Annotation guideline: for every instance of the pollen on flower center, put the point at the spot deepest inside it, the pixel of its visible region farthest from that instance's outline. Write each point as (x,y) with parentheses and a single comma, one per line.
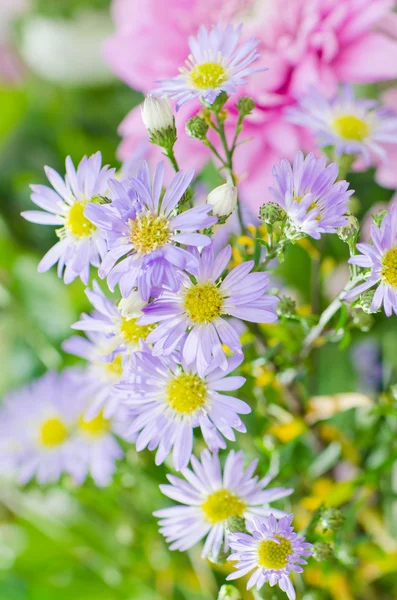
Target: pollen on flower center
(350,127)
(208,76)
(77,223)
(273,555)
(186,393)
(96,427)
(221,505)
(149,232)
(389,267)
(203,303)
(132,332)
(53,432)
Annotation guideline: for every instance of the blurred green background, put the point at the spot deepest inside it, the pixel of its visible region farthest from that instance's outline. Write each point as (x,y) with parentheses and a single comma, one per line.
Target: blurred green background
(63,542)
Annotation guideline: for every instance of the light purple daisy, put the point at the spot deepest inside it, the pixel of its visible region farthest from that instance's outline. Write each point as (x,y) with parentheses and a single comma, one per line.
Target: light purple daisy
(217,63)
(350,125)
(143,227)
(169,399)
(380,258)
(314,201)
(201,304)
(273,550)
(80,244)
(116,322)
(51,435)
(104,371)
(208,498)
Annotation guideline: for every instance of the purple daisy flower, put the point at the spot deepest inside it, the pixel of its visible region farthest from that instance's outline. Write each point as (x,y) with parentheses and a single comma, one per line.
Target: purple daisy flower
(314,201)
(380,258)
(169,399)
(350,125)
(143,225)
(104,371)
(217,63)
(273,550)
(81,243)
(51,435)
(208,498)
(200,305)
(117,323)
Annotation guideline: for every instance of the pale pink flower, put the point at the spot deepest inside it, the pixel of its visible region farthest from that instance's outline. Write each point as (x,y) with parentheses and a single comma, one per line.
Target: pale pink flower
(303,42)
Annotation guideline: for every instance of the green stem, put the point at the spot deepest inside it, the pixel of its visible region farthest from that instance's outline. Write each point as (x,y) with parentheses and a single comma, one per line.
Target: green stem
(169,153)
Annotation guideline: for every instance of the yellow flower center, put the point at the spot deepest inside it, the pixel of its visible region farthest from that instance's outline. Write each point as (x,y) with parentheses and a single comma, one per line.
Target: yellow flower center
(114,368)
(186,393)
(273,555)
(76,223)
(149,232)
(208,76)
(389,267)
(203,303)
(132,332)
(221,505)
(53,432)
(350,127)
(96,427)
(299,199)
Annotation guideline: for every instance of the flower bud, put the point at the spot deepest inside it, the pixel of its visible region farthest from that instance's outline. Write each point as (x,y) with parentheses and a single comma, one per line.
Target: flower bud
(349,232)
(365,302)
(229,592)
(322,551)
(197,128)
(332,518)
(236,525)
(379,216)
(245,106)
(271,213)
(131,307)
(159,120)
(286,307)
(223,200)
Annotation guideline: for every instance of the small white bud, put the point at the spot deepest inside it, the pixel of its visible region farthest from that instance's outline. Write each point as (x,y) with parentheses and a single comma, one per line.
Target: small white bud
(157,113)
(131,307)
(223,200)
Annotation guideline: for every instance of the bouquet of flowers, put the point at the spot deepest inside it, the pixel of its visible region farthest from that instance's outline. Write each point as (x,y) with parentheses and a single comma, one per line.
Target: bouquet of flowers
(193,343)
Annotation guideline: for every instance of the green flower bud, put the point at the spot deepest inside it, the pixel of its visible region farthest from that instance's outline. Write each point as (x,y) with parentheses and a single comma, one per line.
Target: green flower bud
(365,302)
(197,128)
(322,551)
(245,106)
(349,232)
(379,216)
(236,525)
(332,518)
(271,213)
(229,592)
(286,307)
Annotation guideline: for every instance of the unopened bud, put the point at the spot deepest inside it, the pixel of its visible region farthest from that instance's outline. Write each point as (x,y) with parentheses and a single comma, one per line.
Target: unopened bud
(271,213)
(332,518)
(286,307)
(197,128)
(236,525)
(379,216)
(245,106)
(229,592)
(158,119)
(322,551)
(349,232)
(223,200)
(365,302)
(131,307)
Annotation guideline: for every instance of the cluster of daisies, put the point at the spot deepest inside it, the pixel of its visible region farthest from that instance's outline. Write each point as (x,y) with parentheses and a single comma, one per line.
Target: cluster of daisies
(161,359)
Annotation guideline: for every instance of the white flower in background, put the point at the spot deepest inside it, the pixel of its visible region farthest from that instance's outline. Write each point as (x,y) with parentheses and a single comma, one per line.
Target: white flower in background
(157,113)
(67,52)
(223,199)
